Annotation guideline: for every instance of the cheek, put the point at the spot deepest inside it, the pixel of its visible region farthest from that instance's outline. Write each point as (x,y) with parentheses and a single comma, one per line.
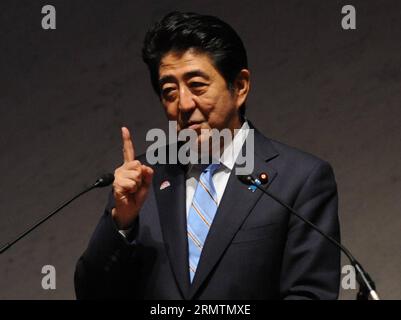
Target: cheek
(221,109)
(206,107)
(171,111)
(210,104)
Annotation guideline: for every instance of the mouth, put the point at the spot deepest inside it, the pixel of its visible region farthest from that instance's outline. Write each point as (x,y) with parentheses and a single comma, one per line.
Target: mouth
(193,125)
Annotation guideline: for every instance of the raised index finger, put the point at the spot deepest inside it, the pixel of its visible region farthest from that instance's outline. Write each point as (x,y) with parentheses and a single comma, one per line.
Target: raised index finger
(128,147)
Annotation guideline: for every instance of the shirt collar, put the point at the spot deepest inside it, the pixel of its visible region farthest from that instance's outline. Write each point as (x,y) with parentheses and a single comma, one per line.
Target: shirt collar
(233,149)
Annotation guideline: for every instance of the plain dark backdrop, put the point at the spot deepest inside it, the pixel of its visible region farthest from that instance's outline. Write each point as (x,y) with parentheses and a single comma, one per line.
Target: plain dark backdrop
(65,93)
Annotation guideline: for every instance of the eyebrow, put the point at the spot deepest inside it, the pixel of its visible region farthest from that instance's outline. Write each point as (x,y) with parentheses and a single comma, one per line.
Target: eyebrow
(187,75)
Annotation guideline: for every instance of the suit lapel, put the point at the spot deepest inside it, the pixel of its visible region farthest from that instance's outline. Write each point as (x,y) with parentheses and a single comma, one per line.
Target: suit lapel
(172,212)
(235,206)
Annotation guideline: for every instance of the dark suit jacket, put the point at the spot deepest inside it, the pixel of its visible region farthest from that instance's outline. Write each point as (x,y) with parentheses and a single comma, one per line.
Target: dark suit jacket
(255,248)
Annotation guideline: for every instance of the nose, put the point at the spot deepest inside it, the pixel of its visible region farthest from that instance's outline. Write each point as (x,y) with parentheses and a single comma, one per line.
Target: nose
(186,101)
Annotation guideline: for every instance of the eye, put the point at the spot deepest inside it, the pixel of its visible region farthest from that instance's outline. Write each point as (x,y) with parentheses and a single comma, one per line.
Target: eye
(168,92)
(197,84)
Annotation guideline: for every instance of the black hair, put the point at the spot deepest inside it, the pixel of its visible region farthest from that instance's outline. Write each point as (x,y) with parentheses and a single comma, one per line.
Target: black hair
(179,32)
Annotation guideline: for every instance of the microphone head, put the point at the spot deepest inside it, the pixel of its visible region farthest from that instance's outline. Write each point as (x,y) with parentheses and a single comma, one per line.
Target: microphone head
(105,180)
(247,179)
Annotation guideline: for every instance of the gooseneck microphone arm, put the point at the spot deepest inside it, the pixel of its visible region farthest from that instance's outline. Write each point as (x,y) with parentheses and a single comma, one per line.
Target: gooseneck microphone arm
(103,181)
(366,285)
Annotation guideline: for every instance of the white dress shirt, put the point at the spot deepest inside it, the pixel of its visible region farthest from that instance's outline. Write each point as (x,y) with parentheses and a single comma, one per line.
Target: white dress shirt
(220,178)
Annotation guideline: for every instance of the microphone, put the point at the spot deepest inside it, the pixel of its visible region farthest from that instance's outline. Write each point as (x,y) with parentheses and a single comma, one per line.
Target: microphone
(366,285)
(103,181)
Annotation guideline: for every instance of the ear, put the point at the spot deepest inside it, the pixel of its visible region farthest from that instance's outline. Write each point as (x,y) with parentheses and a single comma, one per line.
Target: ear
(242,85)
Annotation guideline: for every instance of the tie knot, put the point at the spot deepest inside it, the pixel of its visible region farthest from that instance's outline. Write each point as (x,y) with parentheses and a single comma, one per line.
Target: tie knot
(212,168)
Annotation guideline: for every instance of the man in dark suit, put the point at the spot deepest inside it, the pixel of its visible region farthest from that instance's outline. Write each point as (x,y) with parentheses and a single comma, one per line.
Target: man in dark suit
(174,231)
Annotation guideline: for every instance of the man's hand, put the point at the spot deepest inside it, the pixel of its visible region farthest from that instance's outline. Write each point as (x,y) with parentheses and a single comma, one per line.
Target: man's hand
(131,185)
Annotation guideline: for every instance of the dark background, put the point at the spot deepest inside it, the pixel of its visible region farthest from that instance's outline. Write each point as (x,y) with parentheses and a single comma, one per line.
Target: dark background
(64,94)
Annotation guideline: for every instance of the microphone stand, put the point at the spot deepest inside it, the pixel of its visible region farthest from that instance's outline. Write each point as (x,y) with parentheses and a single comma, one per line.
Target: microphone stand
(367,287)
(103,181)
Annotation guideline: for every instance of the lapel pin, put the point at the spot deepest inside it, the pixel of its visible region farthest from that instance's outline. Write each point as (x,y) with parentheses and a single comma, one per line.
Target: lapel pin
(165,184)
(263,178)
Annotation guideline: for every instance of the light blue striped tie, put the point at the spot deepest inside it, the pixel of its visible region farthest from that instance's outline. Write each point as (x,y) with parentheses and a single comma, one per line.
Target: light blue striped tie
(203,209)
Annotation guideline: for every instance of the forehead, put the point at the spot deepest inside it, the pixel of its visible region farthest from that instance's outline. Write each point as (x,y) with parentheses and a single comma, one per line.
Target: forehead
(179,64)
